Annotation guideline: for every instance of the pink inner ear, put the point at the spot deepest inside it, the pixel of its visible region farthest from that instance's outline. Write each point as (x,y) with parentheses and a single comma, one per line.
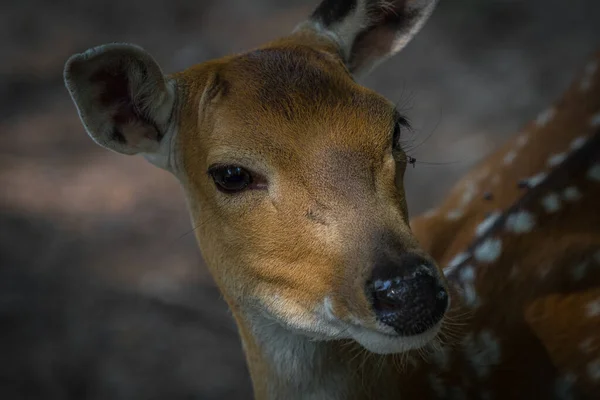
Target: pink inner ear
(114,86)
(130,125)
(136,132)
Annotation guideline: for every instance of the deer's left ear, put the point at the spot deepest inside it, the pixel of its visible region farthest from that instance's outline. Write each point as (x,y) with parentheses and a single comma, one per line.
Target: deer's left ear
(368,31)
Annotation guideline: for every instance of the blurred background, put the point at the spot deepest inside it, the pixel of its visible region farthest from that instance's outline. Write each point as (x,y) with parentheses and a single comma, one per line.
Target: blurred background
(103,293)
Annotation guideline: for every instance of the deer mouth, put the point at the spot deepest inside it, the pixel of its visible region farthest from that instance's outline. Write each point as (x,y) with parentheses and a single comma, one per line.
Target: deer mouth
(384,340)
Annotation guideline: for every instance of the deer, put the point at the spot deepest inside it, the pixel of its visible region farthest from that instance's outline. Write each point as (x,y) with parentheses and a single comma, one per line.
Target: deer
(293,176)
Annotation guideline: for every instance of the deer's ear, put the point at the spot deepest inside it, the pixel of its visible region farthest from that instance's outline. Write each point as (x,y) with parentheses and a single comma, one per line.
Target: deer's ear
(368,31)
(123,99)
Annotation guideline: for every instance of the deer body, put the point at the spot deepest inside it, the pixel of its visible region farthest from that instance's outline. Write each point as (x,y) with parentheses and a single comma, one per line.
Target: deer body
(520,238)
(293,176)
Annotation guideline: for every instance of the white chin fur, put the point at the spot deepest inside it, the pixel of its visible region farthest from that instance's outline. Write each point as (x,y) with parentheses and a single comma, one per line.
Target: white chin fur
(380,343)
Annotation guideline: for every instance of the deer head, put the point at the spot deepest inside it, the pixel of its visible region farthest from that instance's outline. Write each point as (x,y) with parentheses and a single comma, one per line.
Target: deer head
(292,171)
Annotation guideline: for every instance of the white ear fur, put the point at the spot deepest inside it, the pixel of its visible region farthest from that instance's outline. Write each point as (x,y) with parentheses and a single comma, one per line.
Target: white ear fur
(123,99)
(367,32)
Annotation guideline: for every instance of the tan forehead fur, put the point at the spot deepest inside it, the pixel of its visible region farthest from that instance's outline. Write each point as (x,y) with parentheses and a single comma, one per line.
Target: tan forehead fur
(281,99)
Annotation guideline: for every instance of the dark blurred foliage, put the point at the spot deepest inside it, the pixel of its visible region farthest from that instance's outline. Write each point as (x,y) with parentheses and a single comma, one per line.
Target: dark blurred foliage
(103,293)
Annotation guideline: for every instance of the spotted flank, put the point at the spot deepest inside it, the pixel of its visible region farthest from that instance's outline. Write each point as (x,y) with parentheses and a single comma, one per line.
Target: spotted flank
(525,261)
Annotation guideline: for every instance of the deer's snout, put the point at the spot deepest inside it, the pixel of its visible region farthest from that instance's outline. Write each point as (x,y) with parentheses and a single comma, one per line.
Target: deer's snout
(407,293)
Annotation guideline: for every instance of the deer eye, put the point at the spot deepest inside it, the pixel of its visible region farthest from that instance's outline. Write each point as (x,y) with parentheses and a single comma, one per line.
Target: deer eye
(396,135)
(230,178)
(400,124)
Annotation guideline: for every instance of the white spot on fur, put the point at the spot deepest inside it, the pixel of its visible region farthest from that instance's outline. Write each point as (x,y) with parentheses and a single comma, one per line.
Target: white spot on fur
(593,308)
(487,223)
(595,120)
(488,251)
(564,386)
(455,214)
(483,351)
(468,194)
(545,117)
(455,262)
(551,203)
(509,157)
(578,272)
(556,159)
(522,140)
(571,194)
(593,370)
(467,274)
(578,142)
(536,179)
(587,345)
(520,222)
(594,172)
(470,295)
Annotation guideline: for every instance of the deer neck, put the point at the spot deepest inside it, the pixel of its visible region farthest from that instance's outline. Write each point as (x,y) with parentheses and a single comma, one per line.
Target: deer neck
(287,365)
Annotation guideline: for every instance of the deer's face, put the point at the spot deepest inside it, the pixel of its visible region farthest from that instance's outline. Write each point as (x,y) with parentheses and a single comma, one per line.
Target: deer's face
(293,174)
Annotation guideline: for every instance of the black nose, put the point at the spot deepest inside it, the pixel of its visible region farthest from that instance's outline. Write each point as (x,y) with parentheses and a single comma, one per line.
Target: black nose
(407,294)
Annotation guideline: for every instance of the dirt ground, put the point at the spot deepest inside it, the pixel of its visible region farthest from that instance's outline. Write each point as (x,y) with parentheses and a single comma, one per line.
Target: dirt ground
(103,293)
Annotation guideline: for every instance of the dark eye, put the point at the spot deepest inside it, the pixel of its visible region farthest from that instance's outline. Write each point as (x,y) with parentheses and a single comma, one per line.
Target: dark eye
(230,178)
(396,136)
(400,124)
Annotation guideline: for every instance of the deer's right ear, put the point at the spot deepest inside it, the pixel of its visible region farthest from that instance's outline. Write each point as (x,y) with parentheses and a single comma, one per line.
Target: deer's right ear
(123,99)
(367,32)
